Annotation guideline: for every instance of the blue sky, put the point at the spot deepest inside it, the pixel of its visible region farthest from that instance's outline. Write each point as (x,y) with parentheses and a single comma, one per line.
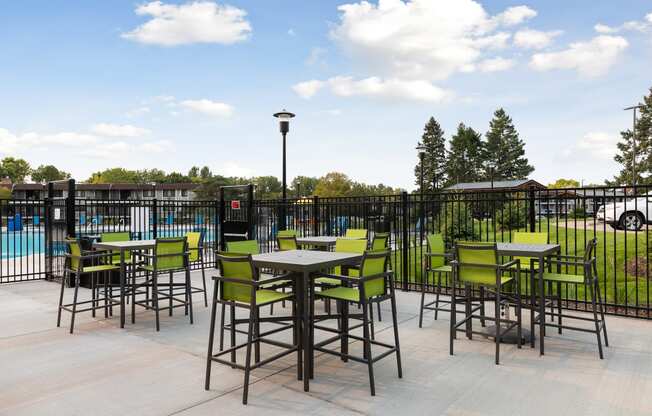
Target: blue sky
(88,85)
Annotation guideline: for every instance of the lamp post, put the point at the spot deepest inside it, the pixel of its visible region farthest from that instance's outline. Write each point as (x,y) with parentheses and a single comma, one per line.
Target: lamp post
(634,108)
(284,124)
(422,154)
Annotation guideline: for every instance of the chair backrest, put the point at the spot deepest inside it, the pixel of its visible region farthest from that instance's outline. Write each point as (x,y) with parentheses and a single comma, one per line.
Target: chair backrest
(380,241)
(347,245)
(287,243)
(356,233)
(374,263)
(243,247)
(240,267)
(470,253)
(195,240)
(286,233)
(117,236)
(528,238)
(436,246)
(173,251)
(589,254)
(74,248)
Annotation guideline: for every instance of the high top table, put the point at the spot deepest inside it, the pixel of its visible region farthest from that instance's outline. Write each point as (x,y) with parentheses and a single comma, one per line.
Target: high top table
(323,241)
(122,247)
(302,264)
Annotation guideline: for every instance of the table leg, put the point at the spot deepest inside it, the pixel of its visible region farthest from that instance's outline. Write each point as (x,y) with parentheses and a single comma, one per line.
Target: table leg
(298,290)
(122,288)
(542,306)
(307,350)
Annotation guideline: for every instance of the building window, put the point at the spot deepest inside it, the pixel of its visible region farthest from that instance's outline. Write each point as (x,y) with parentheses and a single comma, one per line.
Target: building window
(58,193)
(168,193)
(148,193)
(184,192)
(81,194)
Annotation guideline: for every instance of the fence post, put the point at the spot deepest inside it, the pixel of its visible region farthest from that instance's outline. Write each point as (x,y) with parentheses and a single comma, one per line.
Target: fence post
(405,245)
(155,218)
(70,209)
(220,216)
(250,212)
(49,265)
(532,213)
(315,215)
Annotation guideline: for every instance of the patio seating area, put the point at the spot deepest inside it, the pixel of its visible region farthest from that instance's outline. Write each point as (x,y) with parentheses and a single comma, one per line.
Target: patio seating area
(104,370)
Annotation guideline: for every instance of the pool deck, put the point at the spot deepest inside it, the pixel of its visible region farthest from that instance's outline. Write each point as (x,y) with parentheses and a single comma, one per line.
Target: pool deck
(105,370)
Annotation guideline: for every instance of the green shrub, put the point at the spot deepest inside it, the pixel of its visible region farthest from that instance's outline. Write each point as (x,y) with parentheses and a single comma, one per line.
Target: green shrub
(512,216)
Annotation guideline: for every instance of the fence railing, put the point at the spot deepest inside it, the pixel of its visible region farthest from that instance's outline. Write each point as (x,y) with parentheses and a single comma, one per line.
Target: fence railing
(32,233)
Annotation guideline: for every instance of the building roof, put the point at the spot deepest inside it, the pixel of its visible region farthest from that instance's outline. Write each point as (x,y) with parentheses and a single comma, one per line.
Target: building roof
(106,186)
(516,184)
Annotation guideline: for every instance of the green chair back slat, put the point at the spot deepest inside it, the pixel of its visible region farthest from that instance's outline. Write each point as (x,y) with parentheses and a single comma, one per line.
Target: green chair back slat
(75,252)
(345,245)
(372,266)
(243,247)
(287,243)
(194,239)
(529,238)
(236,266)
(380,241)
(436,246)
(165,246)
(356,233)
(117,236)
(286,233)
(477,253)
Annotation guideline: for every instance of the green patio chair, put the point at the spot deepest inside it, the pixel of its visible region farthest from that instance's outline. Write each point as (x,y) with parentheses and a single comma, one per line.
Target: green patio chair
(436,263)
(588,278)
(287,243)
(118,236)
(170,255)
(196,256)
(75,265)
(239,287)
(528,238)
(380,242)
(344,245)
(477,265)
(374,283)
(356,233)
(286,233)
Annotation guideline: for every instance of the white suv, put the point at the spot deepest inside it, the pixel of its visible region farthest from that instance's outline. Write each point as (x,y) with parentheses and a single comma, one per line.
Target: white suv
(628,215)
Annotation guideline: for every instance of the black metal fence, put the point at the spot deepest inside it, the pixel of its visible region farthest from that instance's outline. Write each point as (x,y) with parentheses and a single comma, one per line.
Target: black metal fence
(32,232)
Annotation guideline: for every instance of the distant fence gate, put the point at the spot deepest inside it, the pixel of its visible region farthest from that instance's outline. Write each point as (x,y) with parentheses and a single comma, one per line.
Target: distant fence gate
(33,232)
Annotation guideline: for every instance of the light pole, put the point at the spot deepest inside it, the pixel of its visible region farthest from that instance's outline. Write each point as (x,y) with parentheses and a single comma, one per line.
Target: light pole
(284,124)
(422,154)
(634,108)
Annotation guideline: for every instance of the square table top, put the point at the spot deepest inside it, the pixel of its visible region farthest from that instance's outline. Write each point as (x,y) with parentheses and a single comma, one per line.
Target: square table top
(527,250)
(125,245)
(304,260)
(323,240)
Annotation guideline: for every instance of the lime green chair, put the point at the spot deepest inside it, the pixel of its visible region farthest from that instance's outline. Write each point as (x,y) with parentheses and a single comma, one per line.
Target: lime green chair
(374,284)
(76,260)
(477,265)
(286,233)
(380,242)
(238,286)
(196,256)
(344,245)
(287,243)
(356,233)
(243,247)
(170,255)
(588,278)
(528,238)
(118,236)
(436,263)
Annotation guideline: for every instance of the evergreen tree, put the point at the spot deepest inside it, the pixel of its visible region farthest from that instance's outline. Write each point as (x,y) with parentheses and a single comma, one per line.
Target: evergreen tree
(643,148)
(434,160)
(504,150)
(465,156)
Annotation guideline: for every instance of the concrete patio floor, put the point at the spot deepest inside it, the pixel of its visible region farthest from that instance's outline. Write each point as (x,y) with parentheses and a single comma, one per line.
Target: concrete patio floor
(105,370)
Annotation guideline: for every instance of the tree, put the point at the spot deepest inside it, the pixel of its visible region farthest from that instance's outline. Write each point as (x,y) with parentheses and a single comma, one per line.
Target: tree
(333,184)
(564,183)
(193,173)
(15,169)
(643,148)
(205,173)
(115,175)
(465,156)
(504,150)
(434,160)
(48,173)
(5,193)
(267,187)
(176,177)
(150,176)
(303,186)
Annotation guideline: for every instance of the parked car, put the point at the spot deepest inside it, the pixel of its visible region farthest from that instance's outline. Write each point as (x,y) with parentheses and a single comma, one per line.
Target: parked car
(628,215)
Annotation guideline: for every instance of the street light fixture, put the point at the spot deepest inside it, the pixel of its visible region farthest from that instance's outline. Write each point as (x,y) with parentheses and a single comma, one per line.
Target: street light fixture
(284,124)
(422,153)
(634,107)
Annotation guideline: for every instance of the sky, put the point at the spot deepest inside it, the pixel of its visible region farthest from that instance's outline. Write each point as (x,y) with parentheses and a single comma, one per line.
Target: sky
(87,85)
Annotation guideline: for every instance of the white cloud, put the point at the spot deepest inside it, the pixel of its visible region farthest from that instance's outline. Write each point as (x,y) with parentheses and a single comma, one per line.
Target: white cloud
(117,130)
(631,25)
(137,112)
(422,39)
(316,56)
(235,169)
(534,39)
(496,64)
(307,89)
(196,22)
(598,144)
(604,29)
(648,17)
(208,107)
(591,59)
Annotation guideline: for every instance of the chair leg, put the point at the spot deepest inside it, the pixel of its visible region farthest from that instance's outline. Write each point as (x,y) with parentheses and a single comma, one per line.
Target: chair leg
(155,300)
(533,305)
(371,320)
(344,336)
(437,295)
(380,316)
(232,313)
(482,309)
(222,325)
(367,346)
(74,304)
(211,335)
(452,334)
(595,319)
(252,317)
(189,295)
(397,344)
(170,294)
(604,323)
(423,298)
(498,329)
(93,294)
(559,306)
(519,318)
(133,298)
(203,282)
(63,284)
(106,294)
(467,311)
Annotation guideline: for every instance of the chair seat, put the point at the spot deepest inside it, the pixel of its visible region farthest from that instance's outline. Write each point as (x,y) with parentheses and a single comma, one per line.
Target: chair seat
(442,269)
(503,280)
(265,296)
(150,268)
(328,281)
(127,261)
(100,268)
(277,283)
(342,293)
(563,278)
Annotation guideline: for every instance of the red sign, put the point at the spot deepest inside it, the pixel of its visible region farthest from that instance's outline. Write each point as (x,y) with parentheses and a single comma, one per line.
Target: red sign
(235,204)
